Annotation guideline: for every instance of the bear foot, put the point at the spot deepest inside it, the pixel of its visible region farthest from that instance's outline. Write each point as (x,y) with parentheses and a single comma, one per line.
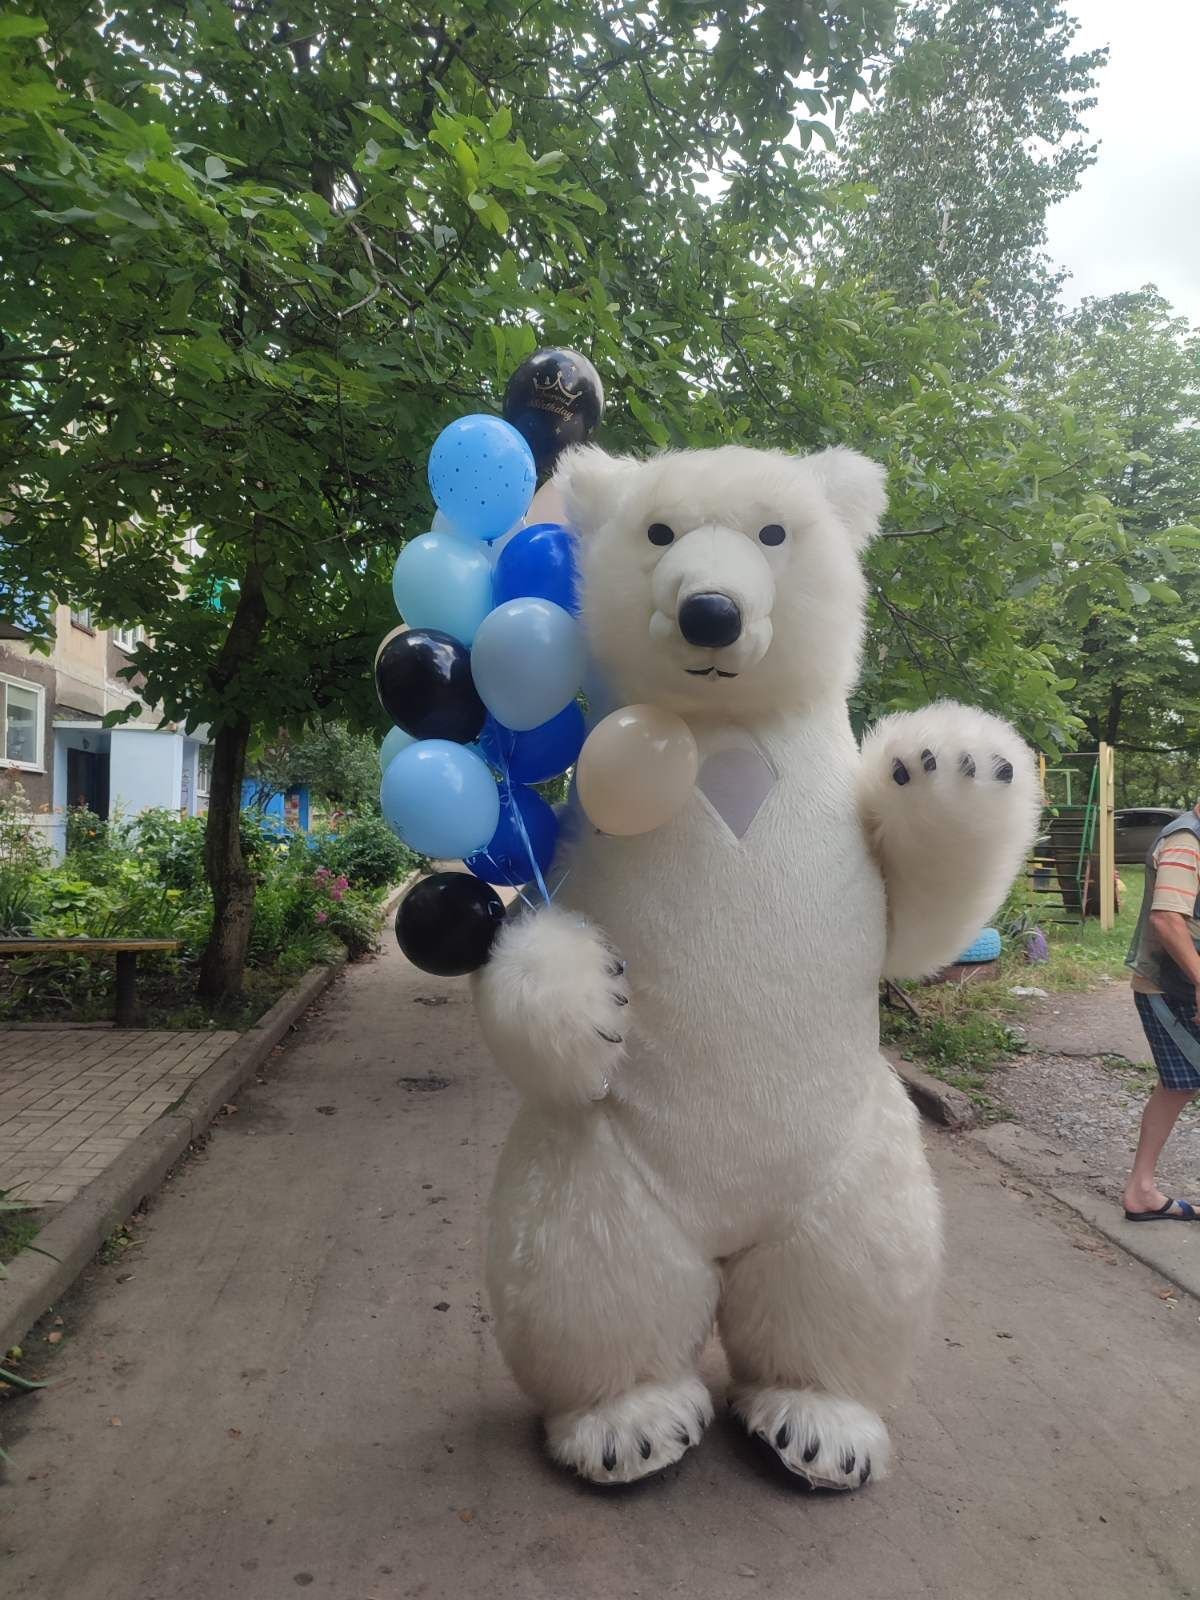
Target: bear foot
(830,1442)
(639,1433)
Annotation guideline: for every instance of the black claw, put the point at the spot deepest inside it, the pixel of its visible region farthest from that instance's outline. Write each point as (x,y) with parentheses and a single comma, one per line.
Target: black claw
(899,772)
(683,1436)
(620,999)
(1004,770)
(644,1446)
(966,765)
(616,968)
(613,1038)
(865,1473)
(610,1454)
(848,1461)
(811,1448)
(929,760)
(783,1438)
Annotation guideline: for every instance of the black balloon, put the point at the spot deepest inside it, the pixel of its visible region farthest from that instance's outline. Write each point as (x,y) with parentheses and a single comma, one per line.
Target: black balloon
(554,399)
(446,923)
(424,682)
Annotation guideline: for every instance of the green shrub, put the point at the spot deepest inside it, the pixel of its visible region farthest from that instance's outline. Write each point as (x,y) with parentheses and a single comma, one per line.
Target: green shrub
(367,852)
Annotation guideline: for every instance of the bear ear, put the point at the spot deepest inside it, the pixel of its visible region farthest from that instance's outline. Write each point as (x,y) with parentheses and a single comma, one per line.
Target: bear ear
(856,488)
(588,479)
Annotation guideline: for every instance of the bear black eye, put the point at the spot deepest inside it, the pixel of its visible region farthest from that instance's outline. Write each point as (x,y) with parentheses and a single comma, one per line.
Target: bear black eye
(659,533)
(772,534)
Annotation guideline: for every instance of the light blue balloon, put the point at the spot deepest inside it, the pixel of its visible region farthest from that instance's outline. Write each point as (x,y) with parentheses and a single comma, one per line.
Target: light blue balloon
(392,745)
(482,475)
(445,582)
(440,799)
(527,662)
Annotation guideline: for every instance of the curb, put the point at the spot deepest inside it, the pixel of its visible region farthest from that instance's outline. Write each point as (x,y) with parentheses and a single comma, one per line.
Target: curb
(74,1235)
(1174,1252)
(938,1101)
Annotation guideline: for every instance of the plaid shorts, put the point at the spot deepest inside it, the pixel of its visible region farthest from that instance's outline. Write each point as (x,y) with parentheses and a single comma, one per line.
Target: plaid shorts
(1174,1068)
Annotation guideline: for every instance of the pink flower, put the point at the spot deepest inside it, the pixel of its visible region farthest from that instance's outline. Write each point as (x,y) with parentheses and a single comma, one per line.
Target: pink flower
(321,874)
(343,883)
(322,916)
(337,894)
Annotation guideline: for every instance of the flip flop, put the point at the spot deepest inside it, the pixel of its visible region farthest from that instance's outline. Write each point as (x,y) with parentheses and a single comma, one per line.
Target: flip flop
(1186,1213)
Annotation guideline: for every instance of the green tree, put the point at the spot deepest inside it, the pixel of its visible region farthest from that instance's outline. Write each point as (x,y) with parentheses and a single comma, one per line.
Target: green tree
(1128,366)
(256,254)
(979,129)
(330,760)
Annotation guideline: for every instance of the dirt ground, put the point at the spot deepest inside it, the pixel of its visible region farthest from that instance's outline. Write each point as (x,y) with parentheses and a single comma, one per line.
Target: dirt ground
(1085,1082)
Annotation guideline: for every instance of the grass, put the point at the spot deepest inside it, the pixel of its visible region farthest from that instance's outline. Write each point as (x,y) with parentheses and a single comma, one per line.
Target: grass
(966,1030)
(18,1230)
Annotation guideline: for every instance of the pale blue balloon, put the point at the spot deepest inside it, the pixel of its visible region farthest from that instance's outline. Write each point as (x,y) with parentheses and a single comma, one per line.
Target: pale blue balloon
(392,745)
(482,475)
(527,661)
(440,799)
(445,582)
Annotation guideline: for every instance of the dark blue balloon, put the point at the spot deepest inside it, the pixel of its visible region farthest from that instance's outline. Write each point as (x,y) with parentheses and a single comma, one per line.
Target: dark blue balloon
(506,859)
(545,752)
(538,562)
(538,754)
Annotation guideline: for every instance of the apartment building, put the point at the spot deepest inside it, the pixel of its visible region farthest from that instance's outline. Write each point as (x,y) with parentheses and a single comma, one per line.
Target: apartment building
(53,743)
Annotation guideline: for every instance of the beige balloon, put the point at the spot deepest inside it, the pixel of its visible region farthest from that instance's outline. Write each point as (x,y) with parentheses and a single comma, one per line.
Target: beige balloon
(547,505)
(636,769)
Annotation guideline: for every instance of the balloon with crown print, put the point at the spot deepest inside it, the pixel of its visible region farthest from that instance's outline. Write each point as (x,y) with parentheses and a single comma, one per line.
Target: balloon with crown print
(554,399)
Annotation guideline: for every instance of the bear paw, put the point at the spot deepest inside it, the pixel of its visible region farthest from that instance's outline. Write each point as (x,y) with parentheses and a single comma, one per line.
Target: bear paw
(639,1433)
(552,1002)
(829,1442)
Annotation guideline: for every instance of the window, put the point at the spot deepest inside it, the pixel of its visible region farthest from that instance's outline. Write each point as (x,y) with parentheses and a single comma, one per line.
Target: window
(81,617)
(23,706)
(203,771)
(129,638)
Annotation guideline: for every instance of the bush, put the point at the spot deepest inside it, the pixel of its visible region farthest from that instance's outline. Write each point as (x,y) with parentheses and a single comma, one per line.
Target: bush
(367,852)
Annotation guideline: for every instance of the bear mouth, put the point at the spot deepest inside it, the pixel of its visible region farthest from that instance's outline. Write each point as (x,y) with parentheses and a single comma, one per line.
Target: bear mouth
(708,672)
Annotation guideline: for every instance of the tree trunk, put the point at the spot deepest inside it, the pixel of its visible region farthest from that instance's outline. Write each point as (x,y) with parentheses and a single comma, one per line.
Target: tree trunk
(229,878)
(1112,720)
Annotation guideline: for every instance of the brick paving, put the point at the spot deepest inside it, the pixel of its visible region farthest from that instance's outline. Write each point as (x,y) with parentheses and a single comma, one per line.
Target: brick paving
(71,1100)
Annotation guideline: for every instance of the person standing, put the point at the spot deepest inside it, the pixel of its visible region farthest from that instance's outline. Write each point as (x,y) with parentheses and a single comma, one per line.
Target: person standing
(1165,958)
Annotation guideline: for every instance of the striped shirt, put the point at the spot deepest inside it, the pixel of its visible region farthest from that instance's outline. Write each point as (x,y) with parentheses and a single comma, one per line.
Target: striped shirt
(1176,888)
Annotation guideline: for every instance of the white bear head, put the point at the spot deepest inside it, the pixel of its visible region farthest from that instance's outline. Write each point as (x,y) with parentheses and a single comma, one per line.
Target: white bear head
(724,582)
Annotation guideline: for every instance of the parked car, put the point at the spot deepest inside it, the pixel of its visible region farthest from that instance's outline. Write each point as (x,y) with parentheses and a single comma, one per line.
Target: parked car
(1137,827)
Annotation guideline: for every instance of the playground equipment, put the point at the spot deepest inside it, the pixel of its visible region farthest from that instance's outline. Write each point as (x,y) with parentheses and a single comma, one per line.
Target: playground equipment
(1074,860)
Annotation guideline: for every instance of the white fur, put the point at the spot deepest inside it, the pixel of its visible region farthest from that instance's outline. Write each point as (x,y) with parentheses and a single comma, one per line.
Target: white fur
(755,1159)
(550,1007)
(951,839)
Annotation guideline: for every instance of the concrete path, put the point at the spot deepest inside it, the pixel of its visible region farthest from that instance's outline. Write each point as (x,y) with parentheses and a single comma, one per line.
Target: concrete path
(291,1385)
(72,1099)
(1099,1022)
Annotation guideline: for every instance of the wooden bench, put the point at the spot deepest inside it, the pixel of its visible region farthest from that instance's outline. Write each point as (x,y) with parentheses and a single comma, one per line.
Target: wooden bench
(127,952)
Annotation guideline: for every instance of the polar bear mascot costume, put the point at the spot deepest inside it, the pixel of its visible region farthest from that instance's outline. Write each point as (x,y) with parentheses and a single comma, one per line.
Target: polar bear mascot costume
(708,1132)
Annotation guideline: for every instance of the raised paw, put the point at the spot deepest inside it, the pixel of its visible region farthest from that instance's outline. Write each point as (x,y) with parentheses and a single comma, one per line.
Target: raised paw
(637,1434)
(829,1442)
(553,1002)
(997,767)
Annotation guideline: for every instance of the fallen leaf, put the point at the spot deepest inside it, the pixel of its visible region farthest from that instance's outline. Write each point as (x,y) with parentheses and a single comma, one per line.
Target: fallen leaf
(442,1305)
(115,1422)
(54,1338)
(58,1322)
(466,1516)
(234,1433)
(747,1572)
(228,1111)
(1166,1294)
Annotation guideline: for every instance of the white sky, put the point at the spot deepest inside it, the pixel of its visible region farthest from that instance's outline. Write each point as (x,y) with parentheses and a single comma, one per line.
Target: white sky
(1136,218)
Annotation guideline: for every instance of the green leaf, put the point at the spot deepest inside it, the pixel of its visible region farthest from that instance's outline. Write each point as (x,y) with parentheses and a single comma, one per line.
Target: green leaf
(22,27)
(215,169)
(1164,591)
(1138,592)
(501,123)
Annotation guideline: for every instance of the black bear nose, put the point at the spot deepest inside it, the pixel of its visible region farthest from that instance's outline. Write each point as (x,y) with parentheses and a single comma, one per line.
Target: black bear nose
(710,620)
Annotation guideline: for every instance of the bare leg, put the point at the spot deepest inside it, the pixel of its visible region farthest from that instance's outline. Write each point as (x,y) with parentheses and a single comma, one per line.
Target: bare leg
(602,1303)
(1158,1119)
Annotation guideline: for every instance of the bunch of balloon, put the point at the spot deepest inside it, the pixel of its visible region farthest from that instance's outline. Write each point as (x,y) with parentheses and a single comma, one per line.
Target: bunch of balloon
(481,683)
